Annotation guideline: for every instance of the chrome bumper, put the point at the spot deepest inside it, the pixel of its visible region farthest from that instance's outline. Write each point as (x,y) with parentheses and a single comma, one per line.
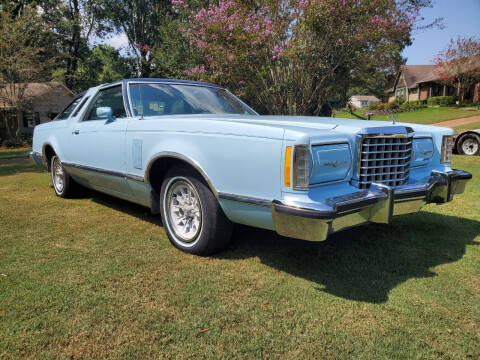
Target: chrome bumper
(37,159)
(315,221)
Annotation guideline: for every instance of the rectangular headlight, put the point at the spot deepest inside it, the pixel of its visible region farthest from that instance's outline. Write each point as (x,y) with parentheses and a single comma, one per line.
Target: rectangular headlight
(447,148)
(301,167)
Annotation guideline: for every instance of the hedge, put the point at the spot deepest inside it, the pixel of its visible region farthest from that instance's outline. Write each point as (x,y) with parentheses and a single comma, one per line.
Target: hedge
(442,100)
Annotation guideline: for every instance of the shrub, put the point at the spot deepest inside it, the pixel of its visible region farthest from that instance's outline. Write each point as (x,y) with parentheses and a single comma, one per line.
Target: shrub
(27,140)
(442,100)
(417,102)
(413,105)
(392,106)
(9,143)
(379,106)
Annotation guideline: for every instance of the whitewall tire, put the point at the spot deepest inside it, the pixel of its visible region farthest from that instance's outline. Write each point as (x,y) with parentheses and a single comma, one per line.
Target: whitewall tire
(193,220)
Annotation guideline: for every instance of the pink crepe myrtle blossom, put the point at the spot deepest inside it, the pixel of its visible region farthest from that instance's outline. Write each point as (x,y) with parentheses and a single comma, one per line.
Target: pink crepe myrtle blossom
(264,43)
(143,47)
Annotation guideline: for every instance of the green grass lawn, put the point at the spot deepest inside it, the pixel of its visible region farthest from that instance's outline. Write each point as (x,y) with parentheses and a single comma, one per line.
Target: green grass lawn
(429,115)
(471,126)
(6,153)
(95,277)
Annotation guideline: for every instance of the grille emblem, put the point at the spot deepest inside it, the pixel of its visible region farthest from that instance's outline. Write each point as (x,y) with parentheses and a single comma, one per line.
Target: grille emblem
(335,163)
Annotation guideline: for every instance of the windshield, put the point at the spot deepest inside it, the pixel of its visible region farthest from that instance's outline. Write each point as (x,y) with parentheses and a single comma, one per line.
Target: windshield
(154,99)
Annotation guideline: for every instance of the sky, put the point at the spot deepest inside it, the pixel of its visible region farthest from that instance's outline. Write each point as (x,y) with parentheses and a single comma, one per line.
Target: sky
(461,18)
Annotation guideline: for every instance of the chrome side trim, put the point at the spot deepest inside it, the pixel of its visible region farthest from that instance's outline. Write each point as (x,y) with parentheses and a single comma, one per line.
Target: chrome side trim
(134,177)
(174,155)
(245,199)
(103,171)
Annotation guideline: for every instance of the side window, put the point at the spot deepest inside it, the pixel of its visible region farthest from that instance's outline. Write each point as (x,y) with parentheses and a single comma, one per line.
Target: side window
(68,110)
(112,98)
(82,104)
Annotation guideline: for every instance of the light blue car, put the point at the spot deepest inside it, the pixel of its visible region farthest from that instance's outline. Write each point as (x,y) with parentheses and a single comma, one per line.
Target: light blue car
(204,160)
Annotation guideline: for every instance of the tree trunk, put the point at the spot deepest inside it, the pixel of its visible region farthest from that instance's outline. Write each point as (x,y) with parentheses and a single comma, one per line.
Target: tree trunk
(74,47)
(18,130)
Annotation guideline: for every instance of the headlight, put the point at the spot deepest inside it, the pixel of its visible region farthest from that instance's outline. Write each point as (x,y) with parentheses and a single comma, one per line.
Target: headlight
(447,148)
(301,167)
(423,151)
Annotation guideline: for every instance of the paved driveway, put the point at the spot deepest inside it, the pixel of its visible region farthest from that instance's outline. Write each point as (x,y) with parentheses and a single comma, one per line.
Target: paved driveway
(458,122)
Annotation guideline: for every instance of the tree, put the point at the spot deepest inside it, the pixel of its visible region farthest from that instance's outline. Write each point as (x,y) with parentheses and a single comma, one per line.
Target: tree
(139,20)
(295,57)
(73,22)
(151,27)
(22,61)
(102,64)
(459,64)
(171,54)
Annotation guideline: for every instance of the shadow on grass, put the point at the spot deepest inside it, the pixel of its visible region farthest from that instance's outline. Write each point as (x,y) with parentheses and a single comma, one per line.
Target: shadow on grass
(361,264)
(15,168)
(127,207)
(364,263)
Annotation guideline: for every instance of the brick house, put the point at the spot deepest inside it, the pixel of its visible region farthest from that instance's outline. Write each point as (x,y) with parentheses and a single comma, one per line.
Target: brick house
(420,82)
(45,101)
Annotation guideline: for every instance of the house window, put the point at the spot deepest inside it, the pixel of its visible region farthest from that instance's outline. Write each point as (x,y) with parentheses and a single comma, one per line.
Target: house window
(31,119)
(364,103)
(400,93)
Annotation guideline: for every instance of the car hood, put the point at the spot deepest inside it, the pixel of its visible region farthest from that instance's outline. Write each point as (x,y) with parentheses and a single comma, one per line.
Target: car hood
(297,127)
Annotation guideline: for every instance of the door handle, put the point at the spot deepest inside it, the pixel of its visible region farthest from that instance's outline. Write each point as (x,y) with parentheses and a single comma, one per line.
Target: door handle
(76,132)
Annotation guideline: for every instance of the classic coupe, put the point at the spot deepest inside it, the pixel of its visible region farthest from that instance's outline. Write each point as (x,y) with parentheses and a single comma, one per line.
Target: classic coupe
(203,159)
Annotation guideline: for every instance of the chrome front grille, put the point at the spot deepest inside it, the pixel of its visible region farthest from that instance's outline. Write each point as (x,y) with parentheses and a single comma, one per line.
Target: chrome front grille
(384,160)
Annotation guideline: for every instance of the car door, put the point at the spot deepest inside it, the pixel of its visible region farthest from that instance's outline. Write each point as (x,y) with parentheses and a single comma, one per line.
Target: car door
(98,142)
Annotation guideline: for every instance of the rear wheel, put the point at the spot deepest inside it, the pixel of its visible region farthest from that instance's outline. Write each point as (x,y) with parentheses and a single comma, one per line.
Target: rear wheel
(63,184)
(469,144)
(193,219)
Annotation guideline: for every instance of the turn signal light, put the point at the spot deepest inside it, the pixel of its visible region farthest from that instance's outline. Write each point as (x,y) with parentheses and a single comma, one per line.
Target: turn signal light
(287,168)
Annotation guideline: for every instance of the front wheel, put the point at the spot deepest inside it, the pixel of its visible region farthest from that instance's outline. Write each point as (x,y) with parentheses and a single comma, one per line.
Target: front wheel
(469,144)
(193,219)
(63,184)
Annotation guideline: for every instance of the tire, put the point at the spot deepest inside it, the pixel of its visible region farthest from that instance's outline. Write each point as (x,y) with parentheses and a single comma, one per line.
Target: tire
(469,144)
(192,217)
(63,184)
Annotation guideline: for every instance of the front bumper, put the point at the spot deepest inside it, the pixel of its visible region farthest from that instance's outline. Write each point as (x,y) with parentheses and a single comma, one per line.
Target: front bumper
(37,159)
(315,221)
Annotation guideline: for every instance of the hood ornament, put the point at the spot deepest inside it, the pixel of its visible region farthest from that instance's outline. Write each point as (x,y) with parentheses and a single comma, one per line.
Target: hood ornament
(393,118)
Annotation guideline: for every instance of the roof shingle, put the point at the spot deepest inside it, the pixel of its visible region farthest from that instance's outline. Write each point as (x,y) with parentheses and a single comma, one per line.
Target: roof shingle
(416,74)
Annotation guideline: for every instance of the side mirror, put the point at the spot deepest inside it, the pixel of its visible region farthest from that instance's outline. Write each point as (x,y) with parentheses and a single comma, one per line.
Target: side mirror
(105,112)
